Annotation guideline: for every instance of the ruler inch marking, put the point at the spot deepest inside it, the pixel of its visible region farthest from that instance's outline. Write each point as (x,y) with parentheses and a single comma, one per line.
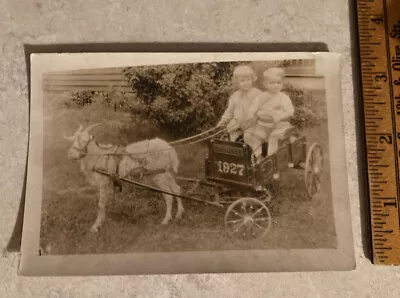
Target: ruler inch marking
(391,91)
(379,51)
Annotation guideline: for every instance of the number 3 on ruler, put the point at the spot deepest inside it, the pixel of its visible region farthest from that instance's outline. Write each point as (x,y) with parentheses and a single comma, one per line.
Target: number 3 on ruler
(381,77)
(385,139)
(378,19)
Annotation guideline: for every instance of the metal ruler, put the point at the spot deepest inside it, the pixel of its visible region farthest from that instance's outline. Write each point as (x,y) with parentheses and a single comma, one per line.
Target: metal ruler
(379,47)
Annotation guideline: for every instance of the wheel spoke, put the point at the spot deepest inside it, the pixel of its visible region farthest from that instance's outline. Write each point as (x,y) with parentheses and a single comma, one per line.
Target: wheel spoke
(234,212)
(238,227)
(310,169)
(317,179)
(313,179)
(244,207)
(309,181)
(234,221)
(315,183)
(258,226)
(310,185)
(312,158)
(261,218)
(318,159)
(258,211)
(250,230)
(315,155)
(313,187)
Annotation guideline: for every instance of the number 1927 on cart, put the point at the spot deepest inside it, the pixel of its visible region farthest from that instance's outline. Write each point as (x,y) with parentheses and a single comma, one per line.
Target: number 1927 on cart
(230,168)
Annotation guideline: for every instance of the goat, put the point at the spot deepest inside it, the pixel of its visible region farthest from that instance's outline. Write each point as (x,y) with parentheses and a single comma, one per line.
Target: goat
(153,155)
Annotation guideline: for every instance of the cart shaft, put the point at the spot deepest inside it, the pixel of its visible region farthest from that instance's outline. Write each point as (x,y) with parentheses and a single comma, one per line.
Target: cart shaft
(145,186)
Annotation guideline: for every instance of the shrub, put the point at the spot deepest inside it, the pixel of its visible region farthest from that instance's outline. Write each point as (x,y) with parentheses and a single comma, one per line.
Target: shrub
(181,99)
(304,115)
(82,98)
(118,101)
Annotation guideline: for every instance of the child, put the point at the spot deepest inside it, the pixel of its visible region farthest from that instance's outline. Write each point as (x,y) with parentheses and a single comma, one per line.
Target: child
(272,110)
(236,118)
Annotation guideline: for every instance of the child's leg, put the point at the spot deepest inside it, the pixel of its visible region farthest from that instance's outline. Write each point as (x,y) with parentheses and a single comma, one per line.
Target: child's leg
(254,142)
(233,135)
(257,147)
(276,134)
(273,142)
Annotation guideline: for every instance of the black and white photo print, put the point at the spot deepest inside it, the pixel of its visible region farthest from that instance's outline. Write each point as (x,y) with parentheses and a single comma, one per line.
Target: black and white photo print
(186,163)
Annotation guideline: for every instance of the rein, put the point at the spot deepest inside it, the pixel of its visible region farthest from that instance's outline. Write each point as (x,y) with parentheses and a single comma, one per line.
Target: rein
(175,144)
(193,137)
(120,151)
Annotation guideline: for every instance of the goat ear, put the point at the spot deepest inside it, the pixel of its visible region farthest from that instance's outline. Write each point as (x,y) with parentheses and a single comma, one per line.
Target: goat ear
(69,138)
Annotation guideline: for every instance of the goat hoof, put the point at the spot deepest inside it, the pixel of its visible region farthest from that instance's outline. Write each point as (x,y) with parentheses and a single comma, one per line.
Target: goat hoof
(94,229)
(165,221)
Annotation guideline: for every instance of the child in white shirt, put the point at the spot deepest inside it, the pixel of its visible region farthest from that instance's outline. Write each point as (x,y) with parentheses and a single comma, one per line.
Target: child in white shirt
(271,110)
(236,116)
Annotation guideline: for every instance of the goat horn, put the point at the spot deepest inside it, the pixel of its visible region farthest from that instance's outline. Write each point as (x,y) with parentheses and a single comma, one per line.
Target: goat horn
(80,127)
(92,126)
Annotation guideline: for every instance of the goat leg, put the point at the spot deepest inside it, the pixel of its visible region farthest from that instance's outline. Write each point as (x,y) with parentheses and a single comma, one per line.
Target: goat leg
(175,188)
(180,208)
(168,214)
(101,214)
(161,180)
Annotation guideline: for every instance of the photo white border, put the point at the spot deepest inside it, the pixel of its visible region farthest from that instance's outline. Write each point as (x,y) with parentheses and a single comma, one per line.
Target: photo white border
(274,260)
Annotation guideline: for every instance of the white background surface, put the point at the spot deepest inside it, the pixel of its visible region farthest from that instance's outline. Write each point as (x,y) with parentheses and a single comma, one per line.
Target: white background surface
(46,22)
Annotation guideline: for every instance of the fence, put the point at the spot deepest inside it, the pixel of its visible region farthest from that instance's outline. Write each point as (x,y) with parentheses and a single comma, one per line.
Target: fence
(300,72)
(80,80)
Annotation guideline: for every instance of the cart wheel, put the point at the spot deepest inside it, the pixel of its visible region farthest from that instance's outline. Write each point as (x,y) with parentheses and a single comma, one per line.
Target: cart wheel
(248,218)
(313,170)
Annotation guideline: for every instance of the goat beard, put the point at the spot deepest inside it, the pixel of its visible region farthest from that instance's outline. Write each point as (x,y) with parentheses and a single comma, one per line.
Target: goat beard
(76,154)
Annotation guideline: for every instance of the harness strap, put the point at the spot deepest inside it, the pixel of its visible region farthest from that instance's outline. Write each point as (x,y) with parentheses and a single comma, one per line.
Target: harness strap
(120,152)
(118,155)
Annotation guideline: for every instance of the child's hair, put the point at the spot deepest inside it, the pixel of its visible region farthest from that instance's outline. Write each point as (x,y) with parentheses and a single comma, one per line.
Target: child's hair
(274,72)
(244,70)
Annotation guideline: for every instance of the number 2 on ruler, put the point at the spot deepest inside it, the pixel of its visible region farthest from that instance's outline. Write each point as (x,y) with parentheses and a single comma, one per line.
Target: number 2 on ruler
(386,139)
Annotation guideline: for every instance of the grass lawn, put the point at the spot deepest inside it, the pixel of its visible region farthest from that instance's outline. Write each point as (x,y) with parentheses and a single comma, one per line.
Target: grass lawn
(134,217)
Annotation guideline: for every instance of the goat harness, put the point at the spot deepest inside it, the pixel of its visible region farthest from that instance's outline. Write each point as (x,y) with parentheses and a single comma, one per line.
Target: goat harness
(117,154)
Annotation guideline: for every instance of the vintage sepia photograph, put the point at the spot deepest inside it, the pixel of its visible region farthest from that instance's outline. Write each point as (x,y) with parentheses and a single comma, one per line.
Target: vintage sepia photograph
(202,154)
